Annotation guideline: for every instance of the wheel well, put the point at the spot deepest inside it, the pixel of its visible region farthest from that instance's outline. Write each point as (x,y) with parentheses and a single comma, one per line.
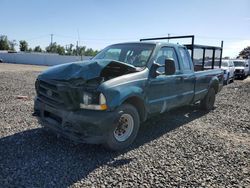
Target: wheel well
(139,105)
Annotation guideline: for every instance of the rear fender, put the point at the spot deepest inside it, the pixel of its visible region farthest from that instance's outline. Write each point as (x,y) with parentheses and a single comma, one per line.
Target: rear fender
(214,83)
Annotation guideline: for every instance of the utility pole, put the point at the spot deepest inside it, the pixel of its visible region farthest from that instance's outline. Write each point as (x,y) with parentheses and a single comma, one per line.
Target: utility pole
(168,36)
(51,39)
(79,44)
(77,48)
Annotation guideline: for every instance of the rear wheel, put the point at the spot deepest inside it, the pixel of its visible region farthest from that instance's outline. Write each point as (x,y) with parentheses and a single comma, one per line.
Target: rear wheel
(228,79)
(125,129)
(208,102)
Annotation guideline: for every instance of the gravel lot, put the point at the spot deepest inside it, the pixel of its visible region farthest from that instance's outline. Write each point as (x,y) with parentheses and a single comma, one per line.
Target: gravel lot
(185,148)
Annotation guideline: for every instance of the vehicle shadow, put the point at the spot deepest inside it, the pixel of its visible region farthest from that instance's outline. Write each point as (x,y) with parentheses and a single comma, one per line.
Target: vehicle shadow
(161,124)
(36,158)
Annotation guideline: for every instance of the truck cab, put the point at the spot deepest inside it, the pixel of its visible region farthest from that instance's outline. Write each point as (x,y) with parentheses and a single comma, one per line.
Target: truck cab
(241,68)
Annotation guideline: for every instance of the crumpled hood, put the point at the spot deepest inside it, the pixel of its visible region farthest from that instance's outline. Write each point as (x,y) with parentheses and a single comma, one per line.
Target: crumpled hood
(85,70)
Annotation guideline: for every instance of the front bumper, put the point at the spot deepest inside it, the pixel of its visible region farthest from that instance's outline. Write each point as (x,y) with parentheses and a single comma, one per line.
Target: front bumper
(238,74)
(84,126)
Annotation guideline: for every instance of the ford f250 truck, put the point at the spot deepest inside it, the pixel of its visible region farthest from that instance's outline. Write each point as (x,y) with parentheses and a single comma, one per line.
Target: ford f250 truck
(104,100)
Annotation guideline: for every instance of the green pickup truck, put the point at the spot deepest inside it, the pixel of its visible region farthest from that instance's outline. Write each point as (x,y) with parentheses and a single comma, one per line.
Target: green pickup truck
(105,99)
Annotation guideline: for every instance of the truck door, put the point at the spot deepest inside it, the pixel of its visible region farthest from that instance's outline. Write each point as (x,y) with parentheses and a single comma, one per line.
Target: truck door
(188,77)
(163,90)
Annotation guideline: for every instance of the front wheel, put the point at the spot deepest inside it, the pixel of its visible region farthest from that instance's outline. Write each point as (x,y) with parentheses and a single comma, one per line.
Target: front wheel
(125,129)
(208,102)
(246,75)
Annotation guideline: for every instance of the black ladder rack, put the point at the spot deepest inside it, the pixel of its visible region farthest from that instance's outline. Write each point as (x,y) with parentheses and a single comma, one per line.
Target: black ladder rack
(193,46)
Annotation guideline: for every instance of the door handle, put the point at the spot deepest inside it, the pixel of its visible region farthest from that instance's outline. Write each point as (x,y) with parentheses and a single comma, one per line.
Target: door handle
(181,78)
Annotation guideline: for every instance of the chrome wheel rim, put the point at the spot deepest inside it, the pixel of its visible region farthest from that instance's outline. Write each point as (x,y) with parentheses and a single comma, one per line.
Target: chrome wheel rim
(124,128)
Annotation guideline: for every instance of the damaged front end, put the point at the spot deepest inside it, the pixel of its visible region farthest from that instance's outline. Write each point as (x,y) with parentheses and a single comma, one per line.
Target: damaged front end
(69,100)
(75,85)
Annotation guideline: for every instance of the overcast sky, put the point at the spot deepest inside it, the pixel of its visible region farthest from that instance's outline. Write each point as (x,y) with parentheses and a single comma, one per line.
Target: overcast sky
(98,23)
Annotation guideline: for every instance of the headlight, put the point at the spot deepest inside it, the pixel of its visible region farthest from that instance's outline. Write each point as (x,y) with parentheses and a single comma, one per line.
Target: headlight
(87,98)
(92,102)
(102,99)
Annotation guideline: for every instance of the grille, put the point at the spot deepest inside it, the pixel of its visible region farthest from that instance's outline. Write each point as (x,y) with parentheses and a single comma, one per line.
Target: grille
(49,93)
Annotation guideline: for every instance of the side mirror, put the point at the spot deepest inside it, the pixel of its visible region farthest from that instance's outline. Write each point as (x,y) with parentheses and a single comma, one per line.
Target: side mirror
(154,71)
(169,67)
(246,65)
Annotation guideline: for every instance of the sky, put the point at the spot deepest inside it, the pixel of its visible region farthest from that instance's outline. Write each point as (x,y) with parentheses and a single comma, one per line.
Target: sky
(98,23)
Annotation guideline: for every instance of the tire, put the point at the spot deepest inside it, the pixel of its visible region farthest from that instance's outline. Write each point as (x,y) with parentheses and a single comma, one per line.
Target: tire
(243,77)
(208,102)
(228,80)
(125,129)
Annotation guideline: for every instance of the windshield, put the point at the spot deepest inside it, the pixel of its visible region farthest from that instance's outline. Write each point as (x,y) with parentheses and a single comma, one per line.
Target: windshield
(136,54)
(224,64)
(239,63)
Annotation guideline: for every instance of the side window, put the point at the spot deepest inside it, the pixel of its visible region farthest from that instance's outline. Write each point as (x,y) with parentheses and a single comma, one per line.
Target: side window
(185,58)
(166,53)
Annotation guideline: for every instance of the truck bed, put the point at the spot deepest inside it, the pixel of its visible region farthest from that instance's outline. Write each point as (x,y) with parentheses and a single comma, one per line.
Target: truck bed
(203,78)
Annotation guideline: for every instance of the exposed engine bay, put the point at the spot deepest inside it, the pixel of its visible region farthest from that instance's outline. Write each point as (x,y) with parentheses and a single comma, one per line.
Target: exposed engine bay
(115,69)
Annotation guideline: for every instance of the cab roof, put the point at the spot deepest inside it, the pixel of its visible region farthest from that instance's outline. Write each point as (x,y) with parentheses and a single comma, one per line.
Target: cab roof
(151,42)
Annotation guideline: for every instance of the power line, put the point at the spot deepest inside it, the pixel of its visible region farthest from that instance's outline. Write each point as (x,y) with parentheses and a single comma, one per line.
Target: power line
(132,38)
(38,37)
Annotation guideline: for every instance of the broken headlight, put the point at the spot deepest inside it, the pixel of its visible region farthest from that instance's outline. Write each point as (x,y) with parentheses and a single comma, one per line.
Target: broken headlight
(93,101)
(87,98)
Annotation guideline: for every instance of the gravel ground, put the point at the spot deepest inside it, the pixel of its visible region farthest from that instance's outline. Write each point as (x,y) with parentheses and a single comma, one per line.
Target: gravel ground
(20,67)
(184,148)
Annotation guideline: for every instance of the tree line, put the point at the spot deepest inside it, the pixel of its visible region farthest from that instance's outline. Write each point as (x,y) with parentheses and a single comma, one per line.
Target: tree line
(9,45)
(6,44)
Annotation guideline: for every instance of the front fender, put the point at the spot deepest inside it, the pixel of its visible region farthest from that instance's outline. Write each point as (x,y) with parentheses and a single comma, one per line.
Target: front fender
(116,96)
